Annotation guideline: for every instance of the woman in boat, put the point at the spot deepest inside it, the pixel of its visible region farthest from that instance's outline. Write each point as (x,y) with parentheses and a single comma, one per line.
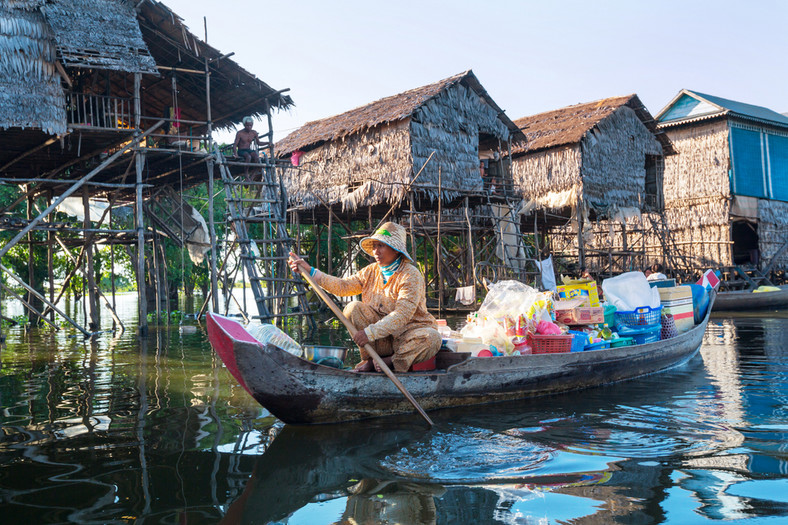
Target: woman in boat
(392,315)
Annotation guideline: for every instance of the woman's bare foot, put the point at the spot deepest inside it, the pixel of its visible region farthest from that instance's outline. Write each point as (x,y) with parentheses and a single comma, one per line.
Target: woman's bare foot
(365,366)
(389,362)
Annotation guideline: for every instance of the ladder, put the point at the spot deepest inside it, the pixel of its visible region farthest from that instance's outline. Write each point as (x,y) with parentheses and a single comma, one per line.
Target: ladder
(260,206)
(518,260)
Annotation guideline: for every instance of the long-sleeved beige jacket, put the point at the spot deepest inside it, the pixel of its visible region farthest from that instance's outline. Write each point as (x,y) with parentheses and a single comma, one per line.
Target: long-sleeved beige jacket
(401,302)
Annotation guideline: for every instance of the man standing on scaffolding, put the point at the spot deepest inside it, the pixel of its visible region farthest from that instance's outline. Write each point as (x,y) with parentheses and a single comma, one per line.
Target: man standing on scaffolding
(242,147)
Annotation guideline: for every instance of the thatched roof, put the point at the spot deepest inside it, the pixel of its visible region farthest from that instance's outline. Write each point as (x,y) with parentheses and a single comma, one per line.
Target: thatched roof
(565,126)
(692,106)
(98,34)
(235,92)
(110,35)
(30,93)
(383,111)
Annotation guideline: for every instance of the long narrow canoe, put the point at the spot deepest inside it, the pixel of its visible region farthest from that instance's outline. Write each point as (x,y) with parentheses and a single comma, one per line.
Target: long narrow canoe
(298,391)
(748,300)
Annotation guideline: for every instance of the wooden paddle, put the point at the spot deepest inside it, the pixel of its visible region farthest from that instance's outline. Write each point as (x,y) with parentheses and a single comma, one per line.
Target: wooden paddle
(371,351)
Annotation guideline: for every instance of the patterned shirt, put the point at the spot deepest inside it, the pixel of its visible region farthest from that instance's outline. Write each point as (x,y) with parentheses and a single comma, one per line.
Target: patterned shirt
(401,302)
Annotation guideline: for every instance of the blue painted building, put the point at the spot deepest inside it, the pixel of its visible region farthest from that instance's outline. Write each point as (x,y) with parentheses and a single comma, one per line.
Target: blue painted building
(726,192)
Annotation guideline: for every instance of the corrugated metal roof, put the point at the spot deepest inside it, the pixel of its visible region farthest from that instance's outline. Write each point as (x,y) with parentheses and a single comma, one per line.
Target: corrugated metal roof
(724,105)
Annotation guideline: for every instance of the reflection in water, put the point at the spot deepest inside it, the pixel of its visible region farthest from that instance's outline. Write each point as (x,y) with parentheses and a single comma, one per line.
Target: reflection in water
(156,431)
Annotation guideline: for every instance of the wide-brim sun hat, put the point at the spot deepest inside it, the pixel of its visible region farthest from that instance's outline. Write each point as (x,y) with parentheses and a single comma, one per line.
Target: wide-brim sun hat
(391,234)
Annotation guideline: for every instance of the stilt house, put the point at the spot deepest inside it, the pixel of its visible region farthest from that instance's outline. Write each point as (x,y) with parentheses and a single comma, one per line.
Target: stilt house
(114,99)
(726,192)
(587,162)
(369,156)
(414,157)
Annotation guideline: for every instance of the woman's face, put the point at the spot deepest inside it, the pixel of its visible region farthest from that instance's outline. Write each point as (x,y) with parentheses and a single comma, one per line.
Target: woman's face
(384,254)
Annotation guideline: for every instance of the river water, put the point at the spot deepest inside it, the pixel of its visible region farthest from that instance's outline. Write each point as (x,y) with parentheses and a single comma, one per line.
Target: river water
(155,430)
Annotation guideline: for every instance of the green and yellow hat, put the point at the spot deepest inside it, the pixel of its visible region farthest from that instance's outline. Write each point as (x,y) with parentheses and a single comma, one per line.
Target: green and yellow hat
(391,234)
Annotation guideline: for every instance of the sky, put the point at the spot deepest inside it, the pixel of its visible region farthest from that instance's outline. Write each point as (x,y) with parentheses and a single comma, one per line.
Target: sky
(530,56)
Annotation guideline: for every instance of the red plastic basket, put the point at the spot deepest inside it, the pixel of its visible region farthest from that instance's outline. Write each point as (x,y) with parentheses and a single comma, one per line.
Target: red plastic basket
(550,344)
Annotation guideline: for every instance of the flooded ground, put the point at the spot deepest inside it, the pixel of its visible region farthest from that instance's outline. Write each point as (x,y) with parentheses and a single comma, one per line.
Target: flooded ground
(155,430)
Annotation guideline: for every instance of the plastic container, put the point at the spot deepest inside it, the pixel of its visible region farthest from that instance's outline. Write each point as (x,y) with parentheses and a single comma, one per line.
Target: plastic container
(643,316)
(443,328)
(642,335)
(610,319)
(621,341)
(551,344)
(579,340)
(473,345)
(601,345)
(270,334)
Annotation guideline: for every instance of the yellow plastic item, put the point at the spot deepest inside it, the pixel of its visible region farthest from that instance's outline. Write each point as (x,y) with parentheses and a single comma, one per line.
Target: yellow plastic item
(761,289)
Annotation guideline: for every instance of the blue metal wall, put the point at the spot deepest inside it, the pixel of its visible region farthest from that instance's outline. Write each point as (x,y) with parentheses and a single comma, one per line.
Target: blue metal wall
(760,164)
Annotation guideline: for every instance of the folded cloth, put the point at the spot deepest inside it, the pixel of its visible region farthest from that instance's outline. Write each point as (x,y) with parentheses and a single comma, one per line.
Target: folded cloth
(466,295)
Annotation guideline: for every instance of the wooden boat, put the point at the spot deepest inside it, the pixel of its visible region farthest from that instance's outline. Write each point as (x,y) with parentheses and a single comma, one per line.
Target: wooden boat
(748,300)
(298,391)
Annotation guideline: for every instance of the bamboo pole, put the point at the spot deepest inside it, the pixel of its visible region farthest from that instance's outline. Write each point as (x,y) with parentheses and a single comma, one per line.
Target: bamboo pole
(110,306)
(371,351)
(29,306)
(56,309)
(78,184)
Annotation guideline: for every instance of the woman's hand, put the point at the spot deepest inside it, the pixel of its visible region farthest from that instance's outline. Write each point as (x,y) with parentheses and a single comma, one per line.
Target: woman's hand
(361,338)
(297,264)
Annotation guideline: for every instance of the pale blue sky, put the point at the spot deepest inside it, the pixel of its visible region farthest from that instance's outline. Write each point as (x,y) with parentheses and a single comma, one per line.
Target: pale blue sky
(530,56)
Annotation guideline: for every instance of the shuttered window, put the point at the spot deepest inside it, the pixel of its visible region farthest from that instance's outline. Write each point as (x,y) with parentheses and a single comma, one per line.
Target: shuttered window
(748,163)
(778,166)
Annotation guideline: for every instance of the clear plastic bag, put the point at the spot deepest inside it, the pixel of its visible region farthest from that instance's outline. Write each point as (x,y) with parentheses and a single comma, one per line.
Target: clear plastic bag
(270,334)
(508,299)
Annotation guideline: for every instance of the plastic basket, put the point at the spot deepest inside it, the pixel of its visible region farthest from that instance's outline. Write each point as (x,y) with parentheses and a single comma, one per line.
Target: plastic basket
(621,341)
(645,316)
(643,335)
(551,344)
(601,345)
(579,340)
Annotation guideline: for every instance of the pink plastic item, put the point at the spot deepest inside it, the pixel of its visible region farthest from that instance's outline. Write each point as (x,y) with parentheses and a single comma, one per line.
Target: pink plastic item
(547,328)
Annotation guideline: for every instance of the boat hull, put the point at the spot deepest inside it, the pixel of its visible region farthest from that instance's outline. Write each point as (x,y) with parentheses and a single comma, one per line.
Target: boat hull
(747,300)
(298,391)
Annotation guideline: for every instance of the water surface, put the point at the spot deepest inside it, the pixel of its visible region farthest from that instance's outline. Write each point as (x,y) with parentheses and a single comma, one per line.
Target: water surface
(155,430)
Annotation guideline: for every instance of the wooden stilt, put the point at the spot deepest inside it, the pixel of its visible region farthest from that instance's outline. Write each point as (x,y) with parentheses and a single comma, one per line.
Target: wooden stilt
(214,247)
(50,260)
(94,323)
(141,295)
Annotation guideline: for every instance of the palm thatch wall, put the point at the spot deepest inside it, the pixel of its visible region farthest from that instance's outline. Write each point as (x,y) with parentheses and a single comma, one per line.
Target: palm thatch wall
(614,153)
(773,231)
(30,93)
(697,192)
(102,34)
(450,124)
(550,178)
(597,149)
(371,166)
(369,155)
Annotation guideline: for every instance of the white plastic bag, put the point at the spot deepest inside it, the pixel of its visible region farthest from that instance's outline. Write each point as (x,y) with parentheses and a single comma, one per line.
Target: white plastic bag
(629,291)
(270,334)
